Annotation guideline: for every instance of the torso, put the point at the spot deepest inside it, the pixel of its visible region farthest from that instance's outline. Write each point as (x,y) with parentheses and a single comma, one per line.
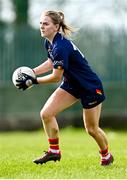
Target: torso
(64,54)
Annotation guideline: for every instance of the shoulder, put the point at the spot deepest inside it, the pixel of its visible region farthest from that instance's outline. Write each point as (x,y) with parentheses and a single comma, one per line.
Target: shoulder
(64,40)
(62,44)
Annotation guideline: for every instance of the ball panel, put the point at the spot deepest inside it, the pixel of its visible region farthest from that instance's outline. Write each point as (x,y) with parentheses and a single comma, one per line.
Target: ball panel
(17,75)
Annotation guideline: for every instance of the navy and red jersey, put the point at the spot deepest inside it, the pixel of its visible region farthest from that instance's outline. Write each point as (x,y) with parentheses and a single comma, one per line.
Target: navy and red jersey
(65,55)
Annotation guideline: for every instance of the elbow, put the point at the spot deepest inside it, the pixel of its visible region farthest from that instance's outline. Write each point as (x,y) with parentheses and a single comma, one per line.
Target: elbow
(57,75)
(57,79)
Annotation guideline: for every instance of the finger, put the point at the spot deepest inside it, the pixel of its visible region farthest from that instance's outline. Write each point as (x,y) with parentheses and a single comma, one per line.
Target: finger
(19,84)
(19,87)
(19,81)
(26,75)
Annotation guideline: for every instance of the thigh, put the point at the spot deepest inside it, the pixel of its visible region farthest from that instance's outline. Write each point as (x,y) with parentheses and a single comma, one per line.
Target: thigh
(91,116)
(59,101)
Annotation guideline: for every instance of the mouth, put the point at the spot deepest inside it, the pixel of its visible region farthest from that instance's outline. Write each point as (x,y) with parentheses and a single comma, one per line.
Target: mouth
(43,33)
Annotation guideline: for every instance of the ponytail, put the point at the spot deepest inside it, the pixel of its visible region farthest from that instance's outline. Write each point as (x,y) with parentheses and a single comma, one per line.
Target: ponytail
(66,29)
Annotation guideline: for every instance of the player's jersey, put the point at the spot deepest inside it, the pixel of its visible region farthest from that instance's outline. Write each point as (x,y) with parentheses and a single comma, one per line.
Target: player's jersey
(65,55)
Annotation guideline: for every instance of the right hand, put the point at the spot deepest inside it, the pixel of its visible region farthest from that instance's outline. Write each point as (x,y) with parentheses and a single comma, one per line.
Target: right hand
(26,82)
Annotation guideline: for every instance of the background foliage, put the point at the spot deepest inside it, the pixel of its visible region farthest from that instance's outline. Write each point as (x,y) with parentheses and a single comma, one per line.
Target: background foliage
(21,45)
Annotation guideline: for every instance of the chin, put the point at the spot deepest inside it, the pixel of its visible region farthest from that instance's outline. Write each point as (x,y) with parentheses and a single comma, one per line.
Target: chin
(42,35)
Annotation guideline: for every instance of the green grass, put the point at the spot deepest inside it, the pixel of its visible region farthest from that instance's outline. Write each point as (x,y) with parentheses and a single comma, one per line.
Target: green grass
(80,157)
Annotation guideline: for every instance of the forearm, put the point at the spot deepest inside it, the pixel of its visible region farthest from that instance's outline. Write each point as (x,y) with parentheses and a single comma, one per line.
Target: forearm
(54,77)
(47,79)
(43,68)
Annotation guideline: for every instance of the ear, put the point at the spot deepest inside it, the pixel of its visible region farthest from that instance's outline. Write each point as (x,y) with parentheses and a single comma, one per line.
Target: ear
(57,26)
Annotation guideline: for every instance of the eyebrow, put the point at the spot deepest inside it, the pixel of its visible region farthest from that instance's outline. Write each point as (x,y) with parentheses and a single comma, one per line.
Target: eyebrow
(43,22)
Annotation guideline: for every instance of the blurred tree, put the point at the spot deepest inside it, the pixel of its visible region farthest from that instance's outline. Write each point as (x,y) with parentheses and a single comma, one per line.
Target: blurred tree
(61,3)
(1,21)
(0,10)
(21,9)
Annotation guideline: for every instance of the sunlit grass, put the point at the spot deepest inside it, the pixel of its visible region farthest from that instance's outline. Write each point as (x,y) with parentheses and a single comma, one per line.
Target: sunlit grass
(80,157)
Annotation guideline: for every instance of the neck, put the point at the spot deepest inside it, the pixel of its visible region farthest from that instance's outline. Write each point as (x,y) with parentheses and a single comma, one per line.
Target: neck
(50,39)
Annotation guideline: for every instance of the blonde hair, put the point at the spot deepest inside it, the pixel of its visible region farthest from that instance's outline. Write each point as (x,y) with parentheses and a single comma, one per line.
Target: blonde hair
(58,18)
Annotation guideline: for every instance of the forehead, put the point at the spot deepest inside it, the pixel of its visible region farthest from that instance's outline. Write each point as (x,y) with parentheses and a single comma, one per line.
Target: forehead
(44,18)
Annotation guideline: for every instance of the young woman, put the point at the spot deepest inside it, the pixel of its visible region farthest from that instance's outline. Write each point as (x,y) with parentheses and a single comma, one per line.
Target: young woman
(79,83)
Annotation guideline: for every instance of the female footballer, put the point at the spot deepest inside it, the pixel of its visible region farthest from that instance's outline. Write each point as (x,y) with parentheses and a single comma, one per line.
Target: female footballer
(79,83)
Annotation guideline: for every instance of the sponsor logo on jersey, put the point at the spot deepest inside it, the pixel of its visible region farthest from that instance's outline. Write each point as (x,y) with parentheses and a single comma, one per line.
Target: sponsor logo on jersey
(91,103)
(58,63)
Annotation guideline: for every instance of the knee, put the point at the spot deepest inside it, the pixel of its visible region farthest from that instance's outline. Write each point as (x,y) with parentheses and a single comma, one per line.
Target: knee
(45,115)
(92,131)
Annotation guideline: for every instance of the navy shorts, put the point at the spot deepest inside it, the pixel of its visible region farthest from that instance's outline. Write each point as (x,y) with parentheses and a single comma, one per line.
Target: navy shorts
(88,99)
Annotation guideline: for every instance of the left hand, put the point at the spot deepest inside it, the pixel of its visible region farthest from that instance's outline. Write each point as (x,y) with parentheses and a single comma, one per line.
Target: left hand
(26,82)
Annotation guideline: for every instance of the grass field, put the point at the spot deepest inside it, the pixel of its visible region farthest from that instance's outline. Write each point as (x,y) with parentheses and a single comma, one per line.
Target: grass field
(80,157)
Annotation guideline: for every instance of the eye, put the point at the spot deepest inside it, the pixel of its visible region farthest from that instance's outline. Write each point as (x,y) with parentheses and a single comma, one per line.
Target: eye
(45,23)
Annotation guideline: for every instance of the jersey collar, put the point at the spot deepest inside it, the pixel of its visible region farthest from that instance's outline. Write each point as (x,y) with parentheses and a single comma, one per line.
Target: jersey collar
(56,37)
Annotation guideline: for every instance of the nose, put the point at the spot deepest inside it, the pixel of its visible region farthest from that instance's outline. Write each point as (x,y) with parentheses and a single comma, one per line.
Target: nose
(41,26)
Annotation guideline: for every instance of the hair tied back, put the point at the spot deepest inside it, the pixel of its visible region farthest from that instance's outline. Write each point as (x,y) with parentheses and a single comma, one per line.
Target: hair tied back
(61,15)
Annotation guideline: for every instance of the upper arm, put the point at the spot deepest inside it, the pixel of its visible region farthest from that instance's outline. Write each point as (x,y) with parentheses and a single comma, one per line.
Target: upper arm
(50,64)
(57,73)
